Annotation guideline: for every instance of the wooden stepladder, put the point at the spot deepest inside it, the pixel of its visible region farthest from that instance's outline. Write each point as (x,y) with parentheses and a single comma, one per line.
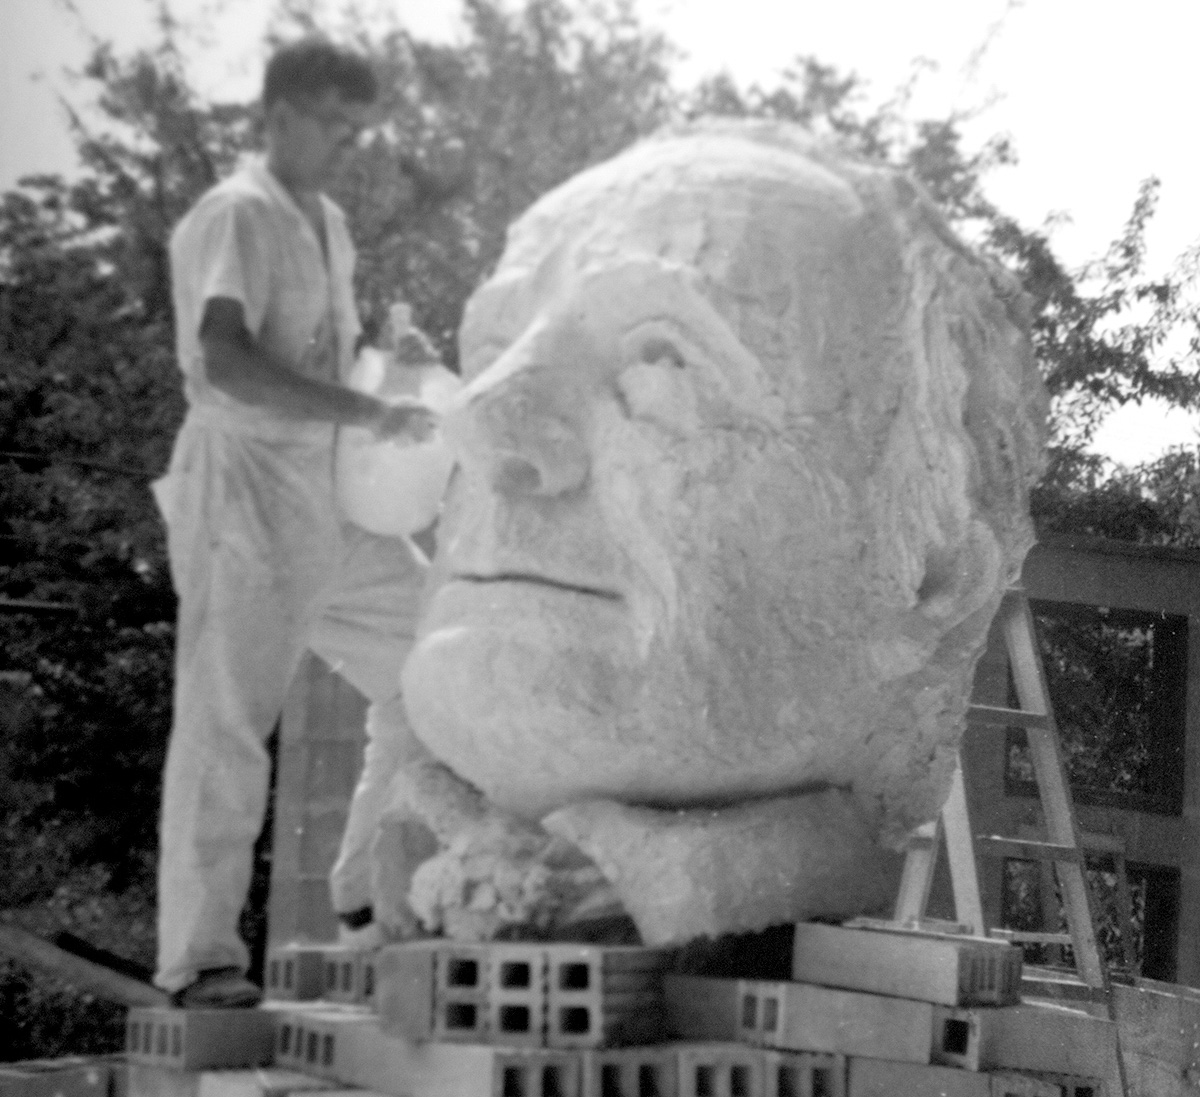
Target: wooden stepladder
(1064,846)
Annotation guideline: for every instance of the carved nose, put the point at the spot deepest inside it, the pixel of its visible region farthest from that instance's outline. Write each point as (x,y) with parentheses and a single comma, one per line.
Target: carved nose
(531,444)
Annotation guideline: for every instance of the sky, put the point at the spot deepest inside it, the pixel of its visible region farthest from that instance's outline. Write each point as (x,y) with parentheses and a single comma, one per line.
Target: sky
(1095,97)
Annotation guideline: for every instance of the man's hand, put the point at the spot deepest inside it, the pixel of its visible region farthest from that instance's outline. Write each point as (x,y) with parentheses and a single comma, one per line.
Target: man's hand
(413,348)
(405,419)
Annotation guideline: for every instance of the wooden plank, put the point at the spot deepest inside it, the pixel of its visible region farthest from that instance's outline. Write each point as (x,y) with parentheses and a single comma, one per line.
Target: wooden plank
(1029,850)
(947,970)
(73,1077)
(960,853)
(31,950)
(1033,937)
(805,1017)
(1032,692)
(916,880)
(1114,573)
(997,715)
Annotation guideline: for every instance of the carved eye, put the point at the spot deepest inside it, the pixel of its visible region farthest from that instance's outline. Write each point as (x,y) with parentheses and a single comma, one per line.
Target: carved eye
(657,351)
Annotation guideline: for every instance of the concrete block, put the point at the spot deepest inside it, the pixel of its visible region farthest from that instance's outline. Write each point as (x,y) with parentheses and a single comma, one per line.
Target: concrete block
(348,974)
(954,970)
(256,1083)
(433,990)
(321,1042)
(460,1002)
(702,1008)
(803,1017)
(520,994)
(721,1070)
(630,1071)
(352,1050)
(1026,1038)
(605,996)
(882,1078)
(541,1072)
(152,1080)
(198,1039)
(295,972)
(804,1074)
(404,989)
(516,982)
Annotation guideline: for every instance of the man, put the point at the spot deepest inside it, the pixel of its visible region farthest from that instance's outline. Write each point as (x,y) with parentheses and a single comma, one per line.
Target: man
(263,564)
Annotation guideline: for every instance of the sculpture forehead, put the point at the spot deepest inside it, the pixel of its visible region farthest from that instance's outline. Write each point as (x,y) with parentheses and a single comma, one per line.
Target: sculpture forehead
(723,204)
(769,234)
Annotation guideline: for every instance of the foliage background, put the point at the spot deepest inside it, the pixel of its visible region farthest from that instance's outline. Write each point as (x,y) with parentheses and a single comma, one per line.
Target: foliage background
(89,396)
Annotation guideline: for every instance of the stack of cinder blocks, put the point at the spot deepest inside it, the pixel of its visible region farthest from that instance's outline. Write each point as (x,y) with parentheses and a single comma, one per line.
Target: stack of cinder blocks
(497,1020)
(870,1011)
(904,1014)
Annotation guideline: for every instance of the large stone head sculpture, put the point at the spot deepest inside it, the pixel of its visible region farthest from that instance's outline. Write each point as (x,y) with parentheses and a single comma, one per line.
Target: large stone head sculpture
(744,473)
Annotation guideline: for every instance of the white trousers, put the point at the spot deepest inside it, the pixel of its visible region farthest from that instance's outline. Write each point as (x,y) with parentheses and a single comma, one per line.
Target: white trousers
(264,569)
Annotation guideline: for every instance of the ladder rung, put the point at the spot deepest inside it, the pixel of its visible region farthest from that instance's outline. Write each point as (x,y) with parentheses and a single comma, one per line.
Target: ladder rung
(1031,937)
(1007,717)
(1028,850)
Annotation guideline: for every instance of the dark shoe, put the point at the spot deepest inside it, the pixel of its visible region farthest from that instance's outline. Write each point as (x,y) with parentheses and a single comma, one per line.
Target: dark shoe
(218,988)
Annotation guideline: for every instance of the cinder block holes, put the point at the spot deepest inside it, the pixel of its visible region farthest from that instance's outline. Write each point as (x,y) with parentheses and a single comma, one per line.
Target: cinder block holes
(535,1080)
(574,976)
(462,973)
(648,1080)
(516,975)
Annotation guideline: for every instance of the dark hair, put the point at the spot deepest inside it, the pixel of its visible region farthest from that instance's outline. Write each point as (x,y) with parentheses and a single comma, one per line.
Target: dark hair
(312,66)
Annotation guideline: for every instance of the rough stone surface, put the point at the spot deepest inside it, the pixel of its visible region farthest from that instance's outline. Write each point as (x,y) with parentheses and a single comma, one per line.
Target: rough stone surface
(745,450)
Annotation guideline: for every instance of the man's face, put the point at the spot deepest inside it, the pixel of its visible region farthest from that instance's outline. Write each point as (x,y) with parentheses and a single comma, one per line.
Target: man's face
(314,134)
(628,515)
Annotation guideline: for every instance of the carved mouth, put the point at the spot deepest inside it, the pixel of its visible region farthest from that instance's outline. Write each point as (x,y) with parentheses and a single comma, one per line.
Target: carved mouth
(542,581)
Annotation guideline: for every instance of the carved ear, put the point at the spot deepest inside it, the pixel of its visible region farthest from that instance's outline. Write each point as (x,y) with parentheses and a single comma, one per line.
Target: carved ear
(960,579)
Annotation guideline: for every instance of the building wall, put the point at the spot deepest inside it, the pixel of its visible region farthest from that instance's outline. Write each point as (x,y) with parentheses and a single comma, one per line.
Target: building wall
(1100,573)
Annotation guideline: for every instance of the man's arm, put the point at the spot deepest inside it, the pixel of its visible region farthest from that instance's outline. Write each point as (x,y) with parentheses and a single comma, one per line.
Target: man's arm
(238,366)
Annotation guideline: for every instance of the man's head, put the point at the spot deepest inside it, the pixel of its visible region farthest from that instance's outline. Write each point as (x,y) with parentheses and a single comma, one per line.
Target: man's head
(743,476)
(315,97)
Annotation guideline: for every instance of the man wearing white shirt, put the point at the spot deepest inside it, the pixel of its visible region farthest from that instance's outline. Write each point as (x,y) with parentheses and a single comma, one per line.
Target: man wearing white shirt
(262,561)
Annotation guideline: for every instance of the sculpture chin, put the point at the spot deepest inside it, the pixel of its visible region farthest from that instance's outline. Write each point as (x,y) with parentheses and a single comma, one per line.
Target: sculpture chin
(519,687)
